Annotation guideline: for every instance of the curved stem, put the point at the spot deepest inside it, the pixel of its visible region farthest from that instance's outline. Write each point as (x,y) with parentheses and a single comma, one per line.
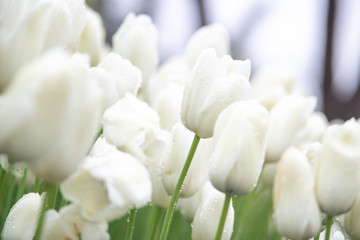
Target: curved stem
(329,221)
(223,217)
(175,196)
(131,224)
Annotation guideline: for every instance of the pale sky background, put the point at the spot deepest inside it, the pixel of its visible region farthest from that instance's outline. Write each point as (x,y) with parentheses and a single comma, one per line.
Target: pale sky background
(281,33)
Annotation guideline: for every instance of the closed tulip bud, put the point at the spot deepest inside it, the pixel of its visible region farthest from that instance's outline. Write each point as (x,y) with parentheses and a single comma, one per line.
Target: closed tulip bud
(130,125)
(240,141)
(30,28)
(338,168)
(315,127)
(272,84)
(51,115)
(137,40)
(69,224)
(174,158)
(22,220)
(212,36)
(120,77)
(92,39)
(107,187)
(286,121)
(352,220)
(296,212)
(188,206)
(214,84)
(207,215)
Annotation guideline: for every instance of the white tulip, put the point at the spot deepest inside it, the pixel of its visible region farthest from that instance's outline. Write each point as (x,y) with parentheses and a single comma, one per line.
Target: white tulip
(352,220)
(107,187)
(296,212)
(214,84)
(212,36)
(137,40)
(271,84)
(174,158)
(50,116)
(240,140)
(130,124)
(29,28)
(120,77)
(315,127)
(338,168)
(69,224)
(188,206)
(92,39)
(287,120)
(23,217)
(207,215)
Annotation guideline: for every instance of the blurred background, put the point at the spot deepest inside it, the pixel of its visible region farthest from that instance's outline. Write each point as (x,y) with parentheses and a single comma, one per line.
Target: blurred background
(317,40)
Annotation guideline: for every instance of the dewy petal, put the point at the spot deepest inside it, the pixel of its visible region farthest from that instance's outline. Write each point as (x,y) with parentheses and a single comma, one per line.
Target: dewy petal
(137,40)
(207,215)
(69,224)
(22,220)
(296,212)
(338,168)
(213,85)
(352,219)
(107,187)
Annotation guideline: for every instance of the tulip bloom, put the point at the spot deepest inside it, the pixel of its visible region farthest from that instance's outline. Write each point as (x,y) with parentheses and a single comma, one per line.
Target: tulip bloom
(208,213)
(131,125)
(239,140)
(50,115)
(69,224)
(174,158)
(30,28)
(136,40)
(296,212)
(213,85)
(286,121)
(211,36)
(352,219)
(338,168)
(107,187)
(22,220)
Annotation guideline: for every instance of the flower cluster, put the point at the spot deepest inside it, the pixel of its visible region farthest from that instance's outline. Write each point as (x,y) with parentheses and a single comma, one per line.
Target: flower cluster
(99,131)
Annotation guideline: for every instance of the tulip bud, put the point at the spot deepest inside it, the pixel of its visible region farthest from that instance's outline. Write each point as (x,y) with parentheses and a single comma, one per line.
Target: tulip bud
(271,84)
(22,220)
(51,115)
(92,39)
(107,187)
(207,215)
(296,212)
(286,120)
(174,158)
(130,124)
(239,140)
(30,28)
(136,40)
(338,168)
(352,220)
(212,36)
(69,224)
(213,85)
(121,77)
(188,206)
(315,127)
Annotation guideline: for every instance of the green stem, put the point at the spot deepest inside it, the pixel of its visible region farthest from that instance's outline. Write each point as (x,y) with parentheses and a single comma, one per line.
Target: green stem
(175,196)
(37,185)
(223,217)
(317,237)
(152,222)
(131,224)
(329,221)
(20,191)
